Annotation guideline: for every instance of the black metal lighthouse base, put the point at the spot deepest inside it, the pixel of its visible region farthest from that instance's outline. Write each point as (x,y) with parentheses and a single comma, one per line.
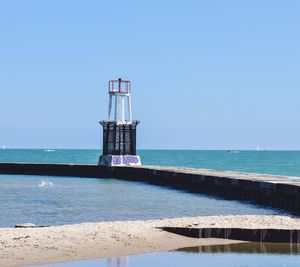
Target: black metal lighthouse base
(119,144)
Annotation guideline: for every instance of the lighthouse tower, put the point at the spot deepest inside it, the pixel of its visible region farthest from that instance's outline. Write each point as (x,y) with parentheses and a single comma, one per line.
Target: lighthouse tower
(119,131)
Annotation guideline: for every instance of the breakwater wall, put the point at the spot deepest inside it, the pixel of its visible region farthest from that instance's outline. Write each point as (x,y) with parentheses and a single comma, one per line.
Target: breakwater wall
(253,235)
(267,190)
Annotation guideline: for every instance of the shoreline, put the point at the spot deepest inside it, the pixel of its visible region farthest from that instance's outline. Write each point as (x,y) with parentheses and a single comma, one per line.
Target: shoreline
(29,246)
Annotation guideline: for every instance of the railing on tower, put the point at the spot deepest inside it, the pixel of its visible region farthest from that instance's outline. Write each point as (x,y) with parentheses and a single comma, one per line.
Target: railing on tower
(119,86)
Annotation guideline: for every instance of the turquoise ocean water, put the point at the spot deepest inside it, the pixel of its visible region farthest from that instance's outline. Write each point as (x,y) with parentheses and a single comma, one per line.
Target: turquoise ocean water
(61,200)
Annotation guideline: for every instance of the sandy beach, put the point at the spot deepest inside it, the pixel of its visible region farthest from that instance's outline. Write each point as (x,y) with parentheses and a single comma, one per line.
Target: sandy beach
(27,246)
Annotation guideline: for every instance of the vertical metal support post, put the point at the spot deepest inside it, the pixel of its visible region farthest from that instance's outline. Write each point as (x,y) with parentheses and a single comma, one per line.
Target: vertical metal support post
(109,107)
(120,85)
(116,107)
(122,109)
(129,109)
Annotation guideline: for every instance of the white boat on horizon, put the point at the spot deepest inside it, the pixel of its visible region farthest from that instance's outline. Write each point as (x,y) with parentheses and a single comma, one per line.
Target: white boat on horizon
(49,150)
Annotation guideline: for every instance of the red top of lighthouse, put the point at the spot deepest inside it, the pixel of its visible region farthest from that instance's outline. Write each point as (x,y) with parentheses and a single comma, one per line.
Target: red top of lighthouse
(119,86)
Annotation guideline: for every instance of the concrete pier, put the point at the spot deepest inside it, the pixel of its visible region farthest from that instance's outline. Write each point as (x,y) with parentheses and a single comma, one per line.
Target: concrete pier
(253,235)
(268,190)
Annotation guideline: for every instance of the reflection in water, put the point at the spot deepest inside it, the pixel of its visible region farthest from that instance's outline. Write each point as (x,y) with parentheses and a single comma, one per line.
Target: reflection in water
(249,247)
(235,255)
(245,248)
(118,262)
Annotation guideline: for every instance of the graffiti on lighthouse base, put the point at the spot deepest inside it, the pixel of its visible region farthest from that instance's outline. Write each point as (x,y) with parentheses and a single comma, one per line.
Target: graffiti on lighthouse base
(120,160)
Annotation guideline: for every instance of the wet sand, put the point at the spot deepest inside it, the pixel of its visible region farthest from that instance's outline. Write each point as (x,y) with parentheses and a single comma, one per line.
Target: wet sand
(19,246)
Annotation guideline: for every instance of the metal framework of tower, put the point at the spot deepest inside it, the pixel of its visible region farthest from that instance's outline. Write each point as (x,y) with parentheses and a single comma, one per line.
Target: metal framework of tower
(119,131)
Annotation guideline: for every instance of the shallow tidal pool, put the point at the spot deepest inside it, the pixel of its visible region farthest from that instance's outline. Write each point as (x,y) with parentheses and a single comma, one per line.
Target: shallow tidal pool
(234,255)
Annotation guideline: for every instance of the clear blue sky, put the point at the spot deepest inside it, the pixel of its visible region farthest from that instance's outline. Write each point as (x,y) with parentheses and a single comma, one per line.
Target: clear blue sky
(205,74)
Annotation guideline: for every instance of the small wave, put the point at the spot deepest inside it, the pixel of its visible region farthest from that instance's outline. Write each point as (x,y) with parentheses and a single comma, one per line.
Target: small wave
(49,150)
(233,151)
(45,183)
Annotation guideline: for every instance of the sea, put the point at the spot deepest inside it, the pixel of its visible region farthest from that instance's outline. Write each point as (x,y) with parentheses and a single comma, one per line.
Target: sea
(46,200)
(267,162)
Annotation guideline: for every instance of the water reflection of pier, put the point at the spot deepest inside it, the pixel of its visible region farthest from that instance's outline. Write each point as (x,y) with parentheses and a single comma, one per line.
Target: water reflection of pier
(243,248)
(249,247)
(118,262)
(246,248)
